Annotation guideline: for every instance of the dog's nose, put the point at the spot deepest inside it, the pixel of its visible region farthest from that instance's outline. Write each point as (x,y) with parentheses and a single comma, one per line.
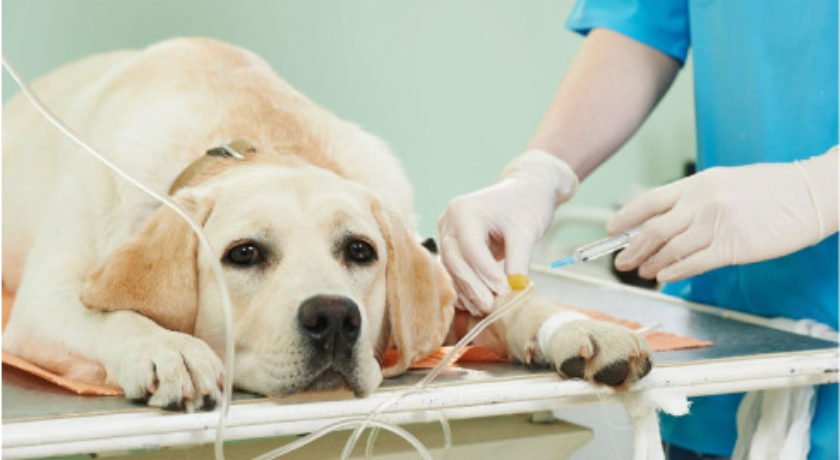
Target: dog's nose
(330,321)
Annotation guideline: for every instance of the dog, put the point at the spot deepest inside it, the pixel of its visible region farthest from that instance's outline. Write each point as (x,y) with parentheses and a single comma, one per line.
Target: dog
(310,216)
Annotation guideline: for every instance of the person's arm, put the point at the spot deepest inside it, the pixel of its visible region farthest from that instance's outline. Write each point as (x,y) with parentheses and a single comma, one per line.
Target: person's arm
(613,84)
(611,87)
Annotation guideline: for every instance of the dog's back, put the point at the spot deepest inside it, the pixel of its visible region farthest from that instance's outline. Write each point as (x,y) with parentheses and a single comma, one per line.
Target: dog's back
(33,157)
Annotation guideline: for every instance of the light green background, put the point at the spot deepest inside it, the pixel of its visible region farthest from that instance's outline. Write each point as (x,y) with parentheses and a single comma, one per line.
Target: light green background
(456,88)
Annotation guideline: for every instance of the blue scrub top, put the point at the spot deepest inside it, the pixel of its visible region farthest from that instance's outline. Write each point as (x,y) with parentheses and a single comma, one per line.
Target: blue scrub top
(765,78)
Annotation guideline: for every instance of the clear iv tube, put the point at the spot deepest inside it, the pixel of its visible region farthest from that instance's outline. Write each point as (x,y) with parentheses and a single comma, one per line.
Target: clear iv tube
(597,249)
(214,263)
(301,442)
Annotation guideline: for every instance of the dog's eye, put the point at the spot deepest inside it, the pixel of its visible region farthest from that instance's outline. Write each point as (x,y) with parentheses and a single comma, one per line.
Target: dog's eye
(359,252)
(245,254)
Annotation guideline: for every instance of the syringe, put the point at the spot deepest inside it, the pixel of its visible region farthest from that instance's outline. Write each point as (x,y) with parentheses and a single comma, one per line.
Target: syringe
(597,249)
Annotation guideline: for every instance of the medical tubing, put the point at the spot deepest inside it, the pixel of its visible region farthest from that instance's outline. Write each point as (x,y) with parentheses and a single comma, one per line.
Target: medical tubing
(447,435)
(445,361)
(301,442)
(215,265)
(447,438)
(371,442)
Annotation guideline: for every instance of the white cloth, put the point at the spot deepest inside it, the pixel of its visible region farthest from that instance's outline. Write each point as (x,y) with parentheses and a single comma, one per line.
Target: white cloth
(776,424)
(642,406)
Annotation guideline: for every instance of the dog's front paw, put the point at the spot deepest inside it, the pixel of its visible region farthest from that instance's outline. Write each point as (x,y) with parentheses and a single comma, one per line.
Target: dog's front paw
(596,351)
(174,371)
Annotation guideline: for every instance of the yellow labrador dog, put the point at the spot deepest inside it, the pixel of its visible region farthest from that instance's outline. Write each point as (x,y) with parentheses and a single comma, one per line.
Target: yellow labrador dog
(311,218)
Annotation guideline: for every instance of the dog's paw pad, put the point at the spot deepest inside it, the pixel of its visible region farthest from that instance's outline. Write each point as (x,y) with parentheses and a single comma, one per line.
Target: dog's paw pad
(574,367)
(613,374)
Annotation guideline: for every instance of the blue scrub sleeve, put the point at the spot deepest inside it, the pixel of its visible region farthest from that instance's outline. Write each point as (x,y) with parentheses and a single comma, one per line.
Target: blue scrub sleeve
(660,24)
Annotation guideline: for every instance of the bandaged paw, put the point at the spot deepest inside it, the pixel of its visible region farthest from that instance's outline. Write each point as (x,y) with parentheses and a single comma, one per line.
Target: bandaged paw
(578,347)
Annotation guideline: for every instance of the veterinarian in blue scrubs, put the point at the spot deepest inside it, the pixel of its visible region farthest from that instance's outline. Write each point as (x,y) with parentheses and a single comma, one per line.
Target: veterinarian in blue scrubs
(755,230)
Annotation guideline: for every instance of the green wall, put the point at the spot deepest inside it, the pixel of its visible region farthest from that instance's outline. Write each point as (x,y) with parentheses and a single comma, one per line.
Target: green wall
(456,88)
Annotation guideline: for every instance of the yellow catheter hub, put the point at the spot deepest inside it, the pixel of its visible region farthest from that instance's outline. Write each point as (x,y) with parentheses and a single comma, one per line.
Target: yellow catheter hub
(518,282)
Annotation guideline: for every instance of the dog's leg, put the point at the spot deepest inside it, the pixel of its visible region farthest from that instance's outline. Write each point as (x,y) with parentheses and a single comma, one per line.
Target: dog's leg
(168,369)
(574,345)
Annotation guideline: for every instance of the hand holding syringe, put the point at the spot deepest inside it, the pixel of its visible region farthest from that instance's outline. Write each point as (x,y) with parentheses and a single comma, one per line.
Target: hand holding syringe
(597,249)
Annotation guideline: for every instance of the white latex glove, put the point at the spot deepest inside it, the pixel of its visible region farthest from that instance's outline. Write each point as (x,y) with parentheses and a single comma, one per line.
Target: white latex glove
(730,216)
(502,221)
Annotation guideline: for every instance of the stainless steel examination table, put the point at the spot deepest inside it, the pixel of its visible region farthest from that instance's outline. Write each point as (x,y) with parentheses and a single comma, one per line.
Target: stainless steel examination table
(40,420)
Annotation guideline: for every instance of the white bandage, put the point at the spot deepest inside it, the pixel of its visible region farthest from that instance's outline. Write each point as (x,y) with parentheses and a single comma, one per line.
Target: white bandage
(554,322)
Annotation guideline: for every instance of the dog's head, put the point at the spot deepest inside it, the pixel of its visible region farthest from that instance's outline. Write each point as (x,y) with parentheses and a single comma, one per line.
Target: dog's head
(322,276)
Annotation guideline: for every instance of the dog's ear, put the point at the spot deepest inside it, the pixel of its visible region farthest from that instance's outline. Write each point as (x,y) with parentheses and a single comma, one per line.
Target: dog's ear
(420,294)
(155,273)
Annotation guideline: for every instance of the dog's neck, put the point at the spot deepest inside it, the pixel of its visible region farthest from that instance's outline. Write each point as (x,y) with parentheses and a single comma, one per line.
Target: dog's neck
(240,152)
(215,161)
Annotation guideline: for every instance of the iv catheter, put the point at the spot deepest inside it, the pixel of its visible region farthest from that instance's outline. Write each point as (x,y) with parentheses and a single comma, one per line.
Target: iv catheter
(597,249)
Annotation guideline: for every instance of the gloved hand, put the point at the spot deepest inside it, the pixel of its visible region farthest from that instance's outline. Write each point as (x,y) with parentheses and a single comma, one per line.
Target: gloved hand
(729,216)
(502,221)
